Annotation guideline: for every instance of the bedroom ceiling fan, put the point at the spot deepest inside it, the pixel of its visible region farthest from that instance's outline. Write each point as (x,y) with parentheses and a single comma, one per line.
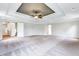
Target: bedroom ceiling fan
(36,10)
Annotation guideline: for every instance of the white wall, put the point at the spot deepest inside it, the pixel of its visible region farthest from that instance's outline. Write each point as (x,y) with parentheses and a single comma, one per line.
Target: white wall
(35,29)
(20,29)
(1,31)
(67,29)
(12,28)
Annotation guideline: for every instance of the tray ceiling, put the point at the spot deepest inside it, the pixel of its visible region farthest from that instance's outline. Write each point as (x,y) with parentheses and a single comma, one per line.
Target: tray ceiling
(34,9)
(63,12)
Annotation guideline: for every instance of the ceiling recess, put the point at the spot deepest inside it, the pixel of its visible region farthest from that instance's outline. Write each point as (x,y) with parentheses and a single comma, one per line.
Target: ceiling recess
(35,9)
